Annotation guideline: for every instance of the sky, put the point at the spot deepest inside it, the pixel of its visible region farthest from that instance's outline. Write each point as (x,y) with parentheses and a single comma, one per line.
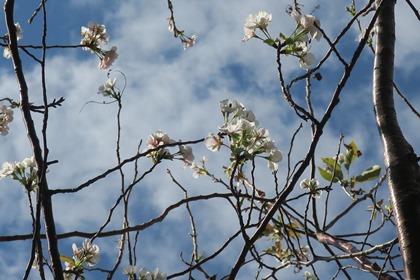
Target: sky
(178,91)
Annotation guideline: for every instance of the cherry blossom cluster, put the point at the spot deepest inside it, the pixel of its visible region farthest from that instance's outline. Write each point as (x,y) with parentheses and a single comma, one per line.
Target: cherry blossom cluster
(6,117)
(88,255)
(160,138)
(7,53)
(246,139)
(93,37)
(143,274)
(254,22)
(186,41)
(297,44)
(23,172)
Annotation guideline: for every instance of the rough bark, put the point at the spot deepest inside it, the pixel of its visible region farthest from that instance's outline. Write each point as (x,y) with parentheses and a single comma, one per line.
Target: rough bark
(399,156)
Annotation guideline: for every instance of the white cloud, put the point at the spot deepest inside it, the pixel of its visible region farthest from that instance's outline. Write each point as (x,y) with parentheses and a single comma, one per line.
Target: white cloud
(177,91)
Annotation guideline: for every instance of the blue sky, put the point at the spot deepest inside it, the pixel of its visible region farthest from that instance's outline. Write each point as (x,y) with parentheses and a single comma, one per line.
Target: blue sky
(178,91)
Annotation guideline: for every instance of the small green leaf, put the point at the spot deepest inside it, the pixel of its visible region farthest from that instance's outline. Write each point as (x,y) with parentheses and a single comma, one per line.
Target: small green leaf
(327,175)
(284,37)
(331,163)
(369,174)
(270,42)
(67,259)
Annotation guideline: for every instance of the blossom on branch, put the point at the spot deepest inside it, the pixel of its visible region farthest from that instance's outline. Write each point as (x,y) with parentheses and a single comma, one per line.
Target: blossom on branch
(246,139)
(254,22)
(93,36)
(130,271)
(108,88)
(25,172)
(6,117)
(108,58)
(88,253)
(188,42)
(144,274)
(213,142)
(312,185)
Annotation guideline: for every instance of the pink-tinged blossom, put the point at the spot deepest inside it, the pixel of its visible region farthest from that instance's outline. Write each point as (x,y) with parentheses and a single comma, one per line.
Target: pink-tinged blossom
(189,42)
(213,142)
(157,139)
(108,58)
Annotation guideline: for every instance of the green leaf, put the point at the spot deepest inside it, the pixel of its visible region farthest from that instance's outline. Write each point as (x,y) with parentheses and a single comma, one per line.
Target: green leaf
(327,175)
(270,42)
(67,259)
(284,37)
(369,174)
(331,163)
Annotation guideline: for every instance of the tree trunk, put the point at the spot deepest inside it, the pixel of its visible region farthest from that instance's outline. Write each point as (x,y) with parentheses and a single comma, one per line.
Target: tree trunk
(399,156)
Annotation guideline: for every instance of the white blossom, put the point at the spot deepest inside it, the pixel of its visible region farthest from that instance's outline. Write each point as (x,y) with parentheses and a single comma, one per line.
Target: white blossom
(213,142)
(307,60)
(130,270)
(88,253)
(239,125)
(108,58)
(144,274)
(7,169)
(28,162)
(7,53)
(199,170)
(6,117)
(259,20)
(309,23)
(189,42)
(157,275)
(107,89)
(171,25)
(312,185)
(93,36)
(248,33)
(157,139)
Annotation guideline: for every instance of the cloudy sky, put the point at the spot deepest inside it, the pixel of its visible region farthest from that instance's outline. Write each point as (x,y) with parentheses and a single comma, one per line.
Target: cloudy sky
(178,91)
